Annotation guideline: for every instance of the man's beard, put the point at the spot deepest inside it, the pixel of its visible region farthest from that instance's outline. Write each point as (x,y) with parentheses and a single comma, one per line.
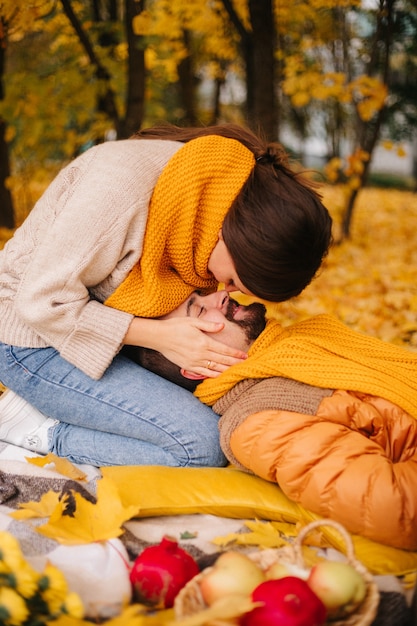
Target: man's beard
(254,321)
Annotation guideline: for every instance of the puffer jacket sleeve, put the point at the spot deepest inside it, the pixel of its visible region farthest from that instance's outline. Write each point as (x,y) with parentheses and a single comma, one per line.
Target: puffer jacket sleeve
(354,461)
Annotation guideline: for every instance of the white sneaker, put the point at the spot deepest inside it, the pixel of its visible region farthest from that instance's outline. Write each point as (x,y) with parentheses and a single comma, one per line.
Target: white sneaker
(23,425)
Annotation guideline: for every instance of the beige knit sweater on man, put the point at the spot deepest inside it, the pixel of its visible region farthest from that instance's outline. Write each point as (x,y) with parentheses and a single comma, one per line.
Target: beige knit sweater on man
(78,244)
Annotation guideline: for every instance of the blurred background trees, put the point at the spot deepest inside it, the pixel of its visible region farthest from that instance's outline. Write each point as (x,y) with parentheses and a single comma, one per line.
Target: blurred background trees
(77,72)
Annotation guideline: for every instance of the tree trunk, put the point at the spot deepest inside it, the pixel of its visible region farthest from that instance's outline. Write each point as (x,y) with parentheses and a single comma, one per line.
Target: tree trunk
(370,137)
(264,113)
(136,79)
(187,82)
(246,50)
(368,132)
(6,201)
(258,53)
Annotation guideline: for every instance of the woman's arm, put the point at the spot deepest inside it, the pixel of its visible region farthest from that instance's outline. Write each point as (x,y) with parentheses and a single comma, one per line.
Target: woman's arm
(81,240)
(184,342)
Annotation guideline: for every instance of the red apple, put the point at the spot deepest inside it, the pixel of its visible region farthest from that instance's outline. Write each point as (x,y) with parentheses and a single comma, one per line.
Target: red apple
(340,587)
(288,601)
(233,572)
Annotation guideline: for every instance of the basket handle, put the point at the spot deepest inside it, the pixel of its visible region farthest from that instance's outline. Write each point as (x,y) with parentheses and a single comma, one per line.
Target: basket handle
(297,545)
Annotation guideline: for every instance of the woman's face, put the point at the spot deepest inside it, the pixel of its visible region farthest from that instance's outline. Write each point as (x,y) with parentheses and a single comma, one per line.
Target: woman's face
(223,269)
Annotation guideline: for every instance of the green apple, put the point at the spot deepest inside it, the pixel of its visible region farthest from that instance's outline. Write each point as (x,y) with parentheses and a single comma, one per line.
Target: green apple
(338,585)
(276,571)
(233,572)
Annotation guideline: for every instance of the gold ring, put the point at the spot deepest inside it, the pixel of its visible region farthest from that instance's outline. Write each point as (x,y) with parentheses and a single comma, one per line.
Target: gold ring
(209,363)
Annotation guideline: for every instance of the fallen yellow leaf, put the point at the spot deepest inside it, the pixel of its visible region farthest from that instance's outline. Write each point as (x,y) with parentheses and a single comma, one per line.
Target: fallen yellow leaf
(63,466)
(263,534)
(229,607)
(90,522)
(43,508)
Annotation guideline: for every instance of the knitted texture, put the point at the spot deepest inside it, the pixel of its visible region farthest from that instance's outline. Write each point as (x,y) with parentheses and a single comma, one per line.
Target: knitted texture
(254,395)
(323,352)
(186,213)
(277,393)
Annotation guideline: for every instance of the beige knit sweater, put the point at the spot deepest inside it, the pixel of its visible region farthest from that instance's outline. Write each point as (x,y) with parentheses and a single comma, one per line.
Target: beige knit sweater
(78,244)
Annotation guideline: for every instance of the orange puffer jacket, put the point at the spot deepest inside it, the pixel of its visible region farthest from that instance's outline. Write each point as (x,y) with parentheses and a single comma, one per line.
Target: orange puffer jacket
(344,455)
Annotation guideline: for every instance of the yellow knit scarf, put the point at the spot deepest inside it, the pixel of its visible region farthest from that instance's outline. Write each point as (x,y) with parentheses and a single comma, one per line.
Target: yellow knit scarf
(186,212)
(323,352)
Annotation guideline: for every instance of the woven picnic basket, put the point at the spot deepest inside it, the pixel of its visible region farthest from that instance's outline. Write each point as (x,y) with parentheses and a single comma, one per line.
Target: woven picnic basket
(190,601)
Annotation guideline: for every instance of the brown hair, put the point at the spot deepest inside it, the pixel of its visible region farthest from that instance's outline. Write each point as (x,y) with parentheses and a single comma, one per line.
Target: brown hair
(277,230)
(158,364)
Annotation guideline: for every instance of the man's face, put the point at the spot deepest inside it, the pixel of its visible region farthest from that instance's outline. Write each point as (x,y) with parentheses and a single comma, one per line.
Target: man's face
(242,324)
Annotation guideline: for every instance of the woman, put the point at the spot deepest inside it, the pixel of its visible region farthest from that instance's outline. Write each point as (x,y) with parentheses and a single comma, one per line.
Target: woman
(123,235)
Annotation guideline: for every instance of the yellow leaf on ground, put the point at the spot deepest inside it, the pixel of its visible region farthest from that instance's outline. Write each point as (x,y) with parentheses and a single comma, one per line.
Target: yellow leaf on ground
(263,534)
(43,508)
(230,606)
(90,522)
(63,466)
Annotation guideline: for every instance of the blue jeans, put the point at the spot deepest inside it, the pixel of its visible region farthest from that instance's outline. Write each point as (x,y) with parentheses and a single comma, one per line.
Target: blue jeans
(128,417)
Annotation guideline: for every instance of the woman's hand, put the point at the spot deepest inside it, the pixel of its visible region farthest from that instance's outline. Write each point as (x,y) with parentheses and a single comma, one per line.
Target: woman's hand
(185,342)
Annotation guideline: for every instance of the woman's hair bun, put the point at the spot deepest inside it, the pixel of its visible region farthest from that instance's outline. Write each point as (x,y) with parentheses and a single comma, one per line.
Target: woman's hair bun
(274,154)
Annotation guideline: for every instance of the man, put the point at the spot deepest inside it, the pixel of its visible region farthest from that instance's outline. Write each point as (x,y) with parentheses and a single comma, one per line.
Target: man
(154,439)
(331,416)
(242,325)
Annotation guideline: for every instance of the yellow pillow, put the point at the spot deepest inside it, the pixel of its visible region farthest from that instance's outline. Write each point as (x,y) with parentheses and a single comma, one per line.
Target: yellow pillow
(229,492)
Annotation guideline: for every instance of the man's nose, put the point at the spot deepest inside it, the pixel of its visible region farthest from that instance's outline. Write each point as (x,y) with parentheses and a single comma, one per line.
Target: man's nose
(222,300)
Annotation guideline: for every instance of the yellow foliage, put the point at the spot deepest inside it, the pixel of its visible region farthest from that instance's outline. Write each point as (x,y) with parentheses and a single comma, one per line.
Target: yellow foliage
(164,23)
(354,182)
(370,94)
(62,465)
(44,508)
(222,610)
(300,99)
(90,522)
(265,534)
(332,169)
(142,23)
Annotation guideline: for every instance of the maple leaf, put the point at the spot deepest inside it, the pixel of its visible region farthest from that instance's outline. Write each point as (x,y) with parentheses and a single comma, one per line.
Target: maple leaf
(90,522)
(43,508)
(63,466)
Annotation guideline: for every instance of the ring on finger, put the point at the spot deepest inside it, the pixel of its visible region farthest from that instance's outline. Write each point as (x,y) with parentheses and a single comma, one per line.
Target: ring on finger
(210,365)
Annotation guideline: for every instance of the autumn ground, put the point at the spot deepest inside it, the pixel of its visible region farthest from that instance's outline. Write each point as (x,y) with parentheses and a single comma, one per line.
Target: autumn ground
(370,281)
